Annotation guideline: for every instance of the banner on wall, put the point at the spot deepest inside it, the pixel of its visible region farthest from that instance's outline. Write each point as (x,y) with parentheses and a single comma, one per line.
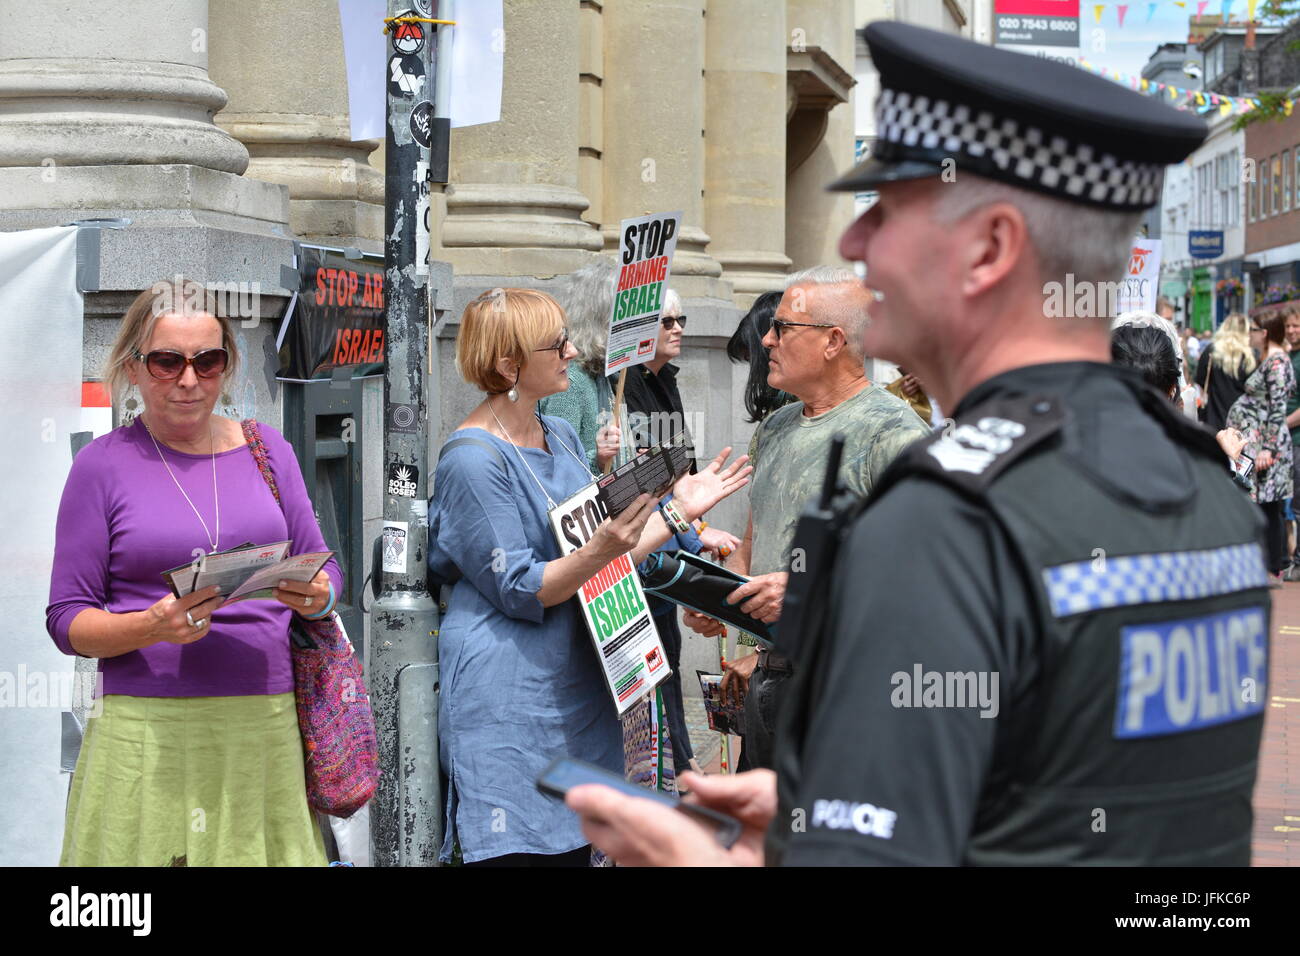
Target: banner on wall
(336,319)
(40,417)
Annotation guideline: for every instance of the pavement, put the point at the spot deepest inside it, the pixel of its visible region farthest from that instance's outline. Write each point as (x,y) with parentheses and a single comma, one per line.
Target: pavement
(1276,840)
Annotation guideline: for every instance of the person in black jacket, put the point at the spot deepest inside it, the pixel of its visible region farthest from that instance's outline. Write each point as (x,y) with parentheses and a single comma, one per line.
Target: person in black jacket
(1224,366)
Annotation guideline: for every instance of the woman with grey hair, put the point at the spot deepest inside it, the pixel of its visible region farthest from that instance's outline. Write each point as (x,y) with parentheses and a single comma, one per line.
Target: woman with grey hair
(1184,395)
(587,302)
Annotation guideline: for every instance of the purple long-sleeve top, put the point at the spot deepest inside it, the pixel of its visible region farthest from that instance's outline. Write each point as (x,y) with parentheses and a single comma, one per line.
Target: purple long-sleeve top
(122,522)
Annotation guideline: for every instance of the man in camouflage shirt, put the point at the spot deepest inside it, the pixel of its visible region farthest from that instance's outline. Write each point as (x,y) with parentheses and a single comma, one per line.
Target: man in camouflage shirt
(815,356)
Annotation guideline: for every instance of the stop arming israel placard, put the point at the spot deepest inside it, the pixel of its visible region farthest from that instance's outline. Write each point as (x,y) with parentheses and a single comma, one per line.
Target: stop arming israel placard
(645,257)
(613,606)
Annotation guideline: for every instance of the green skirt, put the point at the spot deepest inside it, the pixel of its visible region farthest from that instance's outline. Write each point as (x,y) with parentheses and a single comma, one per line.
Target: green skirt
(191,781)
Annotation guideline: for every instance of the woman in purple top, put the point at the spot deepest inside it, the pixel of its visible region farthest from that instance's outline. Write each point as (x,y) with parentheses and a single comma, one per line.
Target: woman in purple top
(195,757)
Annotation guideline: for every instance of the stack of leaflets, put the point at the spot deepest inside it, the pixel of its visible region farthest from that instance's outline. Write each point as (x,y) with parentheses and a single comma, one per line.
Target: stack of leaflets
(724,718)
(653,472)
(247,573)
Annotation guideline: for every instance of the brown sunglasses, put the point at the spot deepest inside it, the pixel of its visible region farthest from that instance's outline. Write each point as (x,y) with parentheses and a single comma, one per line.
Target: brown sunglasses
(167,365)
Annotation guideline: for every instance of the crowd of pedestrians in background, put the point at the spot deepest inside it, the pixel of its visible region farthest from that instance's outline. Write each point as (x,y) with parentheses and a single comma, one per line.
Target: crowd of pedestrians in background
(1245,381)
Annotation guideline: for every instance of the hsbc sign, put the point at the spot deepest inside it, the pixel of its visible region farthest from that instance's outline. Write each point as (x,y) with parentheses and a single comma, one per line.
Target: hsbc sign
(1138,291)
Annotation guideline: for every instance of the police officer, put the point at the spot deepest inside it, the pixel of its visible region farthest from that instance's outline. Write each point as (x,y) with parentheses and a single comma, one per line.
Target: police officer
(1063,658)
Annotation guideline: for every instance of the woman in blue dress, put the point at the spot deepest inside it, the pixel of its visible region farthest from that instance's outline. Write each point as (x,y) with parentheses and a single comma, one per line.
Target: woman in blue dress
(521,684)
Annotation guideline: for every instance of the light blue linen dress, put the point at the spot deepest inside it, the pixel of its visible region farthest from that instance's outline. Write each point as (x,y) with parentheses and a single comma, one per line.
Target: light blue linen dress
(521,684)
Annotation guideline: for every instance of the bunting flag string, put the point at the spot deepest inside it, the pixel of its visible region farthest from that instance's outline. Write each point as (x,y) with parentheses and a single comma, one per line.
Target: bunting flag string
(1198,101)
(1245,8)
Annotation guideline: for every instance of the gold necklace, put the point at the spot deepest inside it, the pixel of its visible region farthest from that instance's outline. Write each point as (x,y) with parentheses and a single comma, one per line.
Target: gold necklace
(216,502)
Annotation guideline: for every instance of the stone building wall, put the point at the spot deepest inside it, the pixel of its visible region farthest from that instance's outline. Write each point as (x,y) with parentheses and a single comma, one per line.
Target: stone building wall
(221,130)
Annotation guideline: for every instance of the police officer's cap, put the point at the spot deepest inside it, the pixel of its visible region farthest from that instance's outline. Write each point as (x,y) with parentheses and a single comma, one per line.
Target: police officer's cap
(1019,119)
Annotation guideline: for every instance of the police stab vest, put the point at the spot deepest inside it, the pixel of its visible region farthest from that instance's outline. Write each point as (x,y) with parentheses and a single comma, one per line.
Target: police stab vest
(1133,729)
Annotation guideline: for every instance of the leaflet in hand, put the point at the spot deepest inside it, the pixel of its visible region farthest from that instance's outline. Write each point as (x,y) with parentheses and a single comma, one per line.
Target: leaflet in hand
(249,572)
(653,472)
(723,717)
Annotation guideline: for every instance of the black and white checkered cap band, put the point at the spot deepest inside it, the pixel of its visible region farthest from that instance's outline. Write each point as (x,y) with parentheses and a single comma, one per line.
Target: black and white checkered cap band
(1049,162)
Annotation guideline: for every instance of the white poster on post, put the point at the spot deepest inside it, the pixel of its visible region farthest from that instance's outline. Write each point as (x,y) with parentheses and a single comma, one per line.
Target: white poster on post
(645,258)
(477,62)
(40,410)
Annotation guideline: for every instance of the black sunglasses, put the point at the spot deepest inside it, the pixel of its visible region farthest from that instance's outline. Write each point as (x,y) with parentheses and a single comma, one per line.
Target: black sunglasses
(779,325)
(166,365)
(560,346)
(668,321)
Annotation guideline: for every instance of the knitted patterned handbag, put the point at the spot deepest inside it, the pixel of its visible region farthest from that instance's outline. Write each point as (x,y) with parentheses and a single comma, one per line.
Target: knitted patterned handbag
(338,727)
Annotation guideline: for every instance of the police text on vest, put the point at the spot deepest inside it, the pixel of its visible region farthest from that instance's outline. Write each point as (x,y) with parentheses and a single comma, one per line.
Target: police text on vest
(1183,675)
(866,819)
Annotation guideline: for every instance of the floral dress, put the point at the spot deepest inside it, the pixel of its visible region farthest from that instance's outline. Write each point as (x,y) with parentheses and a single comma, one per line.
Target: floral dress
(1260,415)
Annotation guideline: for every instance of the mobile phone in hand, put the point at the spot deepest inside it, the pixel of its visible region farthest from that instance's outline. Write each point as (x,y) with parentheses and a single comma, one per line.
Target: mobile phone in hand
(564,773)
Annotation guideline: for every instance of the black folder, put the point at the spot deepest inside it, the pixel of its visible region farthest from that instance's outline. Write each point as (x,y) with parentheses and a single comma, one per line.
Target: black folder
(700,585)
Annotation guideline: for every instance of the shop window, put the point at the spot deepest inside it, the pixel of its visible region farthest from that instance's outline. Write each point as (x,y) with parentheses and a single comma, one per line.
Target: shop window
(1286,180)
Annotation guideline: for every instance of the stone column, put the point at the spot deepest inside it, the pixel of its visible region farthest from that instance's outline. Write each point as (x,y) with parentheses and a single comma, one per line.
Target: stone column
(110,82)
(513,206)
(654,125)
(744,146)
(281,63)
(106,110)
(814,218)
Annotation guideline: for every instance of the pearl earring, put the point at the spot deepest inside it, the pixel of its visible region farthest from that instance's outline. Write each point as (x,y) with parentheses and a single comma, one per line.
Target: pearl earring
(513,394)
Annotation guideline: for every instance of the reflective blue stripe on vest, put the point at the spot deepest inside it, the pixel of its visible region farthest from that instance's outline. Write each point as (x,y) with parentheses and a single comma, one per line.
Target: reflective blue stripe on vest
(1178,676)
(1126,580)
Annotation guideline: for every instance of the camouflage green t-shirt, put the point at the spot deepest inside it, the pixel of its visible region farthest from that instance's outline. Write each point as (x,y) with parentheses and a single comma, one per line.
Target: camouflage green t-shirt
(790,462)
